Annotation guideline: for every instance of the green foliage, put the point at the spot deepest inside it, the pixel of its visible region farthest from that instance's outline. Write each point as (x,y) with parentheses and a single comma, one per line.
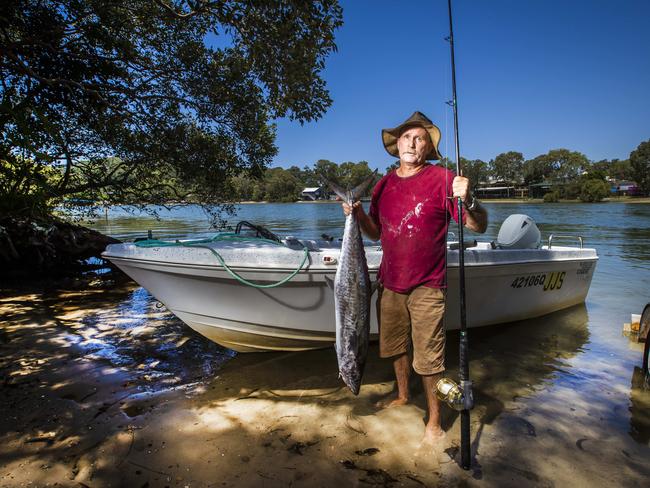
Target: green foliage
(536,170)
(138,102)
(325,171)
(570,190)
(640,162)
(281,186)
(508,167)
(616,169)
(559,165)
(393,166)
(476,170)
(552,197)
(594,190)
(353,174)
(445,162)
(22,184)
(286,185)
(246,188)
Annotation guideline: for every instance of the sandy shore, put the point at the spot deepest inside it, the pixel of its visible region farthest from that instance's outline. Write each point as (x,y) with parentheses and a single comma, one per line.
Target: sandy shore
(101,388)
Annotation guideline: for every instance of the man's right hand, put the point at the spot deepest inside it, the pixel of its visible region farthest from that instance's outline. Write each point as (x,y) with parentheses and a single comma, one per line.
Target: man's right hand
(355,207)
(368,227)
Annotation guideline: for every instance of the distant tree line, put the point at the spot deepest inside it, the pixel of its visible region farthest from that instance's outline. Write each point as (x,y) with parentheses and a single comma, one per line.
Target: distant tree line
(286,185)
(570,174)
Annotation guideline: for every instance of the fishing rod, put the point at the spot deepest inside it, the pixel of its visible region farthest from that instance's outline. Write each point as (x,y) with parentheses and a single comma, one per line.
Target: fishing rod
(460,396)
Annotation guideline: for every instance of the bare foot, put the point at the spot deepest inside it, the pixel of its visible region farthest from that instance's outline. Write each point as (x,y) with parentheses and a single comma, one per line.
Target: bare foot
(433,437)
(431,446)
(391,402)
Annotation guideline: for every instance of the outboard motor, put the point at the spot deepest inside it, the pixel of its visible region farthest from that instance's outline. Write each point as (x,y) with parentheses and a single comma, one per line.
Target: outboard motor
(518,231)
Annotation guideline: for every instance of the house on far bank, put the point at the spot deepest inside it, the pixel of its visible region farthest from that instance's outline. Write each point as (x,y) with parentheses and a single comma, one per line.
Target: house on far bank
(538,190)
(501,191)
(624,188)
(315,193)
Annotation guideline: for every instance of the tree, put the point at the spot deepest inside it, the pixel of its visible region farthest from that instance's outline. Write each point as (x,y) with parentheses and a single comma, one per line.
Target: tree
(594,190)
(537,170)
(616,168)
(475,169)
(559,165)
(243,187)
(351,174)
(325,171)
(298,174)
(445,162)
(309,177)
(640,162)
(145,83)
(393,166)
(566,164)
(281,186)
(551,197)
(508,167)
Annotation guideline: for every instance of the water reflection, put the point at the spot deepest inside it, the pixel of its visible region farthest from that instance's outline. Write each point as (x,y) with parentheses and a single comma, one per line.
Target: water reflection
(573,349)
(507,362)
(117,324)
(635,233)
(640,407)
(513,360)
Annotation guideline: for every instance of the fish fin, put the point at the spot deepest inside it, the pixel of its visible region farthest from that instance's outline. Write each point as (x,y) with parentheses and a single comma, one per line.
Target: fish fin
(351,196)
(329,281)
(340,191)
(360,189)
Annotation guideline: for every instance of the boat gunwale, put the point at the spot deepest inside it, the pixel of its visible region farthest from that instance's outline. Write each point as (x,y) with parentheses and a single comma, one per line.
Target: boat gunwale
(330,270)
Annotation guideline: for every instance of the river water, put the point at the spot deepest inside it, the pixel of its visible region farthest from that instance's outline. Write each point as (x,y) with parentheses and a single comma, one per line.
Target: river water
(97,358)
(602,363)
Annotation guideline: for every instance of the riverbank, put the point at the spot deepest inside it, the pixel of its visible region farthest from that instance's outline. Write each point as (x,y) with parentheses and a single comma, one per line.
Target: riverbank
(100,388)
(632,200)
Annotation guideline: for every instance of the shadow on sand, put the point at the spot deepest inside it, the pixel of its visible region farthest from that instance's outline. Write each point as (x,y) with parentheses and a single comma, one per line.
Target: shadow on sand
(98,384)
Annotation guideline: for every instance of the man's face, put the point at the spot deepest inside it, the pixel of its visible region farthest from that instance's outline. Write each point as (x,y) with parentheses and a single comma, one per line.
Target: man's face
(413,145)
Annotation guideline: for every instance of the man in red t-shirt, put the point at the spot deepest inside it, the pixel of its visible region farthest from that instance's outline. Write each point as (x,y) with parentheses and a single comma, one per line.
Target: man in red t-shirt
(410,211)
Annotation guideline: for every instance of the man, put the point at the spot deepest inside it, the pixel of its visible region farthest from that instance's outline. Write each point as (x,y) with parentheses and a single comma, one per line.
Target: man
(410,211)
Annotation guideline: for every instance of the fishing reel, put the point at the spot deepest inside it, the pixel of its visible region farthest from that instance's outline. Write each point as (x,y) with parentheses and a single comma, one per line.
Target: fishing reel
(458,397)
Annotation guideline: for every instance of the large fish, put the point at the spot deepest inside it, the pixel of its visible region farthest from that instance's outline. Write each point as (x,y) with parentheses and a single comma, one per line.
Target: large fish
(352,292)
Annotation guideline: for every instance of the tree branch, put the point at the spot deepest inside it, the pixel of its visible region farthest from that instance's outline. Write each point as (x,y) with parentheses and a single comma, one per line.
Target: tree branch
(202,8)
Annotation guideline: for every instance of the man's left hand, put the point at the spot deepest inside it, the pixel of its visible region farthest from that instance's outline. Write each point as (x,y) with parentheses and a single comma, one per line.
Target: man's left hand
(460,187)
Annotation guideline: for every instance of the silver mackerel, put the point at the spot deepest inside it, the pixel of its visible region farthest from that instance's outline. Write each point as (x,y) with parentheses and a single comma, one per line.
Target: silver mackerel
(352,293)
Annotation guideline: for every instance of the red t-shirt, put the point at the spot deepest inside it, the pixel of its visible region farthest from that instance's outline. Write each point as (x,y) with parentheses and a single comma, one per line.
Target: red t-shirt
(412,214)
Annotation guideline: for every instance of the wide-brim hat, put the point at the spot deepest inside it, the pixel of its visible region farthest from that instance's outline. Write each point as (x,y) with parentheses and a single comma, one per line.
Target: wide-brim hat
(418,119)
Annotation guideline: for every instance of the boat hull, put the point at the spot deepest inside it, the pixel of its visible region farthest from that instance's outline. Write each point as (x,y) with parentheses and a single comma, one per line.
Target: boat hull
(501,287)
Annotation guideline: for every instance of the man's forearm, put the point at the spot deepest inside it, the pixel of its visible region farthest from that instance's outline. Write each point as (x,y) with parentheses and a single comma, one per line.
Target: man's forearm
(476,220)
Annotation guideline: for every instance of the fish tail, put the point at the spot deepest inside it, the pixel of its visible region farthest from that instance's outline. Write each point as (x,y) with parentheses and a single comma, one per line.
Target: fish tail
(340,191)
(360,189)
(351,196)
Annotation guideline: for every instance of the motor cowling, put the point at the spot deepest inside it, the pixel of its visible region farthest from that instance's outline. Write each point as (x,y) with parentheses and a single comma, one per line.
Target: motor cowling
(519,231)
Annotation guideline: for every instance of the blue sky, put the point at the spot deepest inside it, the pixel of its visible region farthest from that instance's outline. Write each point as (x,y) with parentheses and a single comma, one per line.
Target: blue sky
(533,75)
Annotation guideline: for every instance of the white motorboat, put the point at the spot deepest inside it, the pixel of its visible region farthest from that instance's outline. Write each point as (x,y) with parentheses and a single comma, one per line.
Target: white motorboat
(502,285)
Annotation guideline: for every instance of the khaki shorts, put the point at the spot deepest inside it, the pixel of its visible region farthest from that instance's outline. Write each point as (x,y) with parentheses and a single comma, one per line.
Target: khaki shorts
(413,319)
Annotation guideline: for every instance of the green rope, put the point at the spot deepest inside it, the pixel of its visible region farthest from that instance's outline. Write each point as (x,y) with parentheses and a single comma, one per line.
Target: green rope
(230,236)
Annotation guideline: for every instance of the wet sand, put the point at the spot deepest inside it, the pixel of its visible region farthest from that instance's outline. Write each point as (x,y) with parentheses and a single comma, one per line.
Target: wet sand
(102,388)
